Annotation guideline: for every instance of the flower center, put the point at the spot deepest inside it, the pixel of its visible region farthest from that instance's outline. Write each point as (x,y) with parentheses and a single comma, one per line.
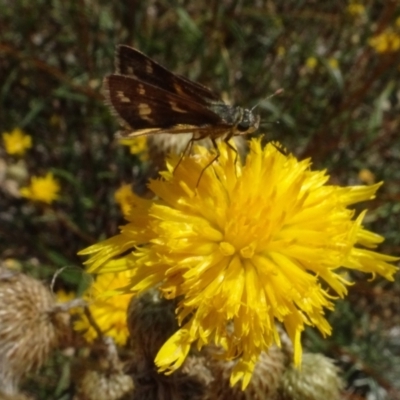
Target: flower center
(227,249)
(248,251)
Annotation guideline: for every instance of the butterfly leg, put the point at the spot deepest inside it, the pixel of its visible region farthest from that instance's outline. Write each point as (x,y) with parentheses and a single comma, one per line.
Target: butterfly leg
(187,150)
(214,159)
(281,150)
(226,140)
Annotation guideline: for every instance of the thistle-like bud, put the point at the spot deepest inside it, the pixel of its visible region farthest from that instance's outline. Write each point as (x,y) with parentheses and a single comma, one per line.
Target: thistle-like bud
(98,385)
(316,379)
(103,378)
(151,321)
(264,383)
(14,396)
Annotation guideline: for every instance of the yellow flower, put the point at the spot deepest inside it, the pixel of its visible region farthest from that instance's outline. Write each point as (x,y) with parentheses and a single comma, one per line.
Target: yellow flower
(109,312)
(42,189)
(333,62)
(65,297)
(246,247)
(366,176)
(55,120)
(17,142)
(281,51)
(355,9)
(125,198)
(138,146)
(311,62)
(387,42)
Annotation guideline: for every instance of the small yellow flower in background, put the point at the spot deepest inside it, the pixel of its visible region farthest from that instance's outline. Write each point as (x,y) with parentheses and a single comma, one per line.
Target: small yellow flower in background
(333,62)
(55,120)
(138,146)
(366,176)
(386,42)
(281,51)
(311,62)
(355,9)
(249,246)
(16,142)
(12,263)
(109,312)
(64,297)
(125,198)
(43,189)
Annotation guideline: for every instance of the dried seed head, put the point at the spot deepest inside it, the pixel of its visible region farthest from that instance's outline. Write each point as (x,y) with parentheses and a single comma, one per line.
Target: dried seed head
(28,329)
(198,366)
(316,379)
(151,321)
(102,377)
(14,396)
(177,386)
(264,383)
(188,383)
(104,385)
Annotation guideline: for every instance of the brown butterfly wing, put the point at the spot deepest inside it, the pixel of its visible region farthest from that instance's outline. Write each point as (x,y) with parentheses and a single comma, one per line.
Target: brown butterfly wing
(133,63)
(141,106)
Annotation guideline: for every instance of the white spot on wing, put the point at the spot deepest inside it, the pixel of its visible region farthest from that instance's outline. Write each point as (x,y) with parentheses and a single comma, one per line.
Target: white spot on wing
(145,111)
(149,68)
(141,90)
(122,97)
(176,108)
(178,89)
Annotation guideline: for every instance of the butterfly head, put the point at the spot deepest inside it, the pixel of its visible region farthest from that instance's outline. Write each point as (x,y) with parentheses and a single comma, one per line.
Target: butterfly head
(247,121)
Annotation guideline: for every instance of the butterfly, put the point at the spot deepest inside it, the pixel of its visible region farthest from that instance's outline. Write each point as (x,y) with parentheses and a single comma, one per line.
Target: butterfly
(148,99)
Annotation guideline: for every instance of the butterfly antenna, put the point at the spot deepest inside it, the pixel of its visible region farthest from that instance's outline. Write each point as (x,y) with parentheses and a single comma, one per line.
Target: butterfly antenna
(265,123)
(276,93)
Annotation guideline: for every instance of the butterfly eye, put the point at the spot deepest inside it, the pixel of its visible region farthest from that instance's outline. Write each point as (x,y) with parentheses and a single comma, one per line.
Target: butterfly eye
(248,122)
(243,125)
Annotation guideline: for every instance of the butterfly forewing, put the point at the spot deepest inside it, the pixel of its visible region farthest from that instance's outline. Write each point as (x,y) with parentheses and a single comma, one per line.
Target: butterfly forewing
(140,105)
(132,62)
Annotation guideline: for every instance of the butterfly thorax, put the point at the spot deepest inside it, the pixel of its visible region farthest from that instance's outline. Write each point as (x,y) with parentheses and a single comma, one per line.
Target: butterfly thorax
(241,121)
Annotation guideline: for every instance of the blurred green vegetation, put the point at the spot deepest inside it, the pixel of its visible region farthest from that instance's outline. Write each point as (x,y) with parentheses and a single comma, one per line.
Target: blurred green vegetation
(340,107)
